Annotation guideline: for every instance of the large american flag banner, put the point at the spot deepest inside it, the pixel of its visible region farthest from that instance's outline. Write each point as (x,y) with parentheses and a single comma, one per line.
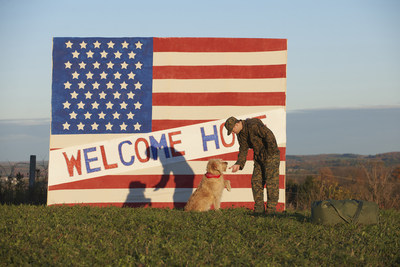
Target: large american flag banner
(108,88)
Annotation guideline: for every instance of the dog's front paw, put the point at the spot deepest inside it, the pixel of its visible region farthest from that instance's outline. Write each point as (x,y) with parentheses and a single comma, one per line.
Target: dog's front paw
(228,185)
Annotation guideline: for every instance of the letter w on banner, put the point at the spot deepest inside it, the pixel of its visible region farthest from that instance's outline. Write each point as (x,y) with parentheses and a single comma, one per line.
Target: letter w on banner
(135,120)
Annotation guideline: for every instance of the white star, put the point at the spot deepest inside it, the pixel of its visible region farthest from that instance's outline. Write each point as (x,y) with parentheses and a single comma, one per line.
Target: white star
(74,95)
(131,75)
(72,115)
(81,85)
(116,95)
(88,95)
(97,44)
(75,54)
(80,126)
(137,105)
(131,55)
(123,126)
(137,126)
(131,95)
(95,85)
(68,65)
(110,65)
(103,54)
(123,85)
(124,65)
(102,95)
(69,44)
(138,85)
(123,105)
(89,75)
(95,126)
(66,104)
(81,105)
(110,85)
(117,54)
(125,44)
(87,115)
(116,115)
(66,126)
(83,44)
(102,115)
(110,44)
(82,65)
(96,65)
(75,75)
(109,126)
(103,75)
(89,54)
(109,105)
(95,105)
(139,65)
(130,115)
(117,75)
(138,45)
(67,85)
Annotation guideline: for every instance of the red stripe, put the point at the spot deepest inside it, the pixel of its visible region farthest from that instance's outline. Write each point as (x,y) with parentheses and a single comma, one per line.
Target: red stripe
(218,44)
(233,156)
(179,205)
(219,99)
(159,125)
(219,72)
(153,181)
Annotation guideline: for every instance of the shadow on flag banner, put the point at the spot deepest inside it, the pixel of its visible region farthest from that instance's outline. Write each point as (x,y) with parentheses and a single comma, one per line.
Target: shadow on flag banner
(105,89)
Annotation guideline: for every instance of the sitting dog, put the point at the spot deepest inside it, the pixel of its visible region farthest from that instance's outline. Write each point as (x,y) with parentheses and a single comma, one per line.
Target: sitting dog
(209,191)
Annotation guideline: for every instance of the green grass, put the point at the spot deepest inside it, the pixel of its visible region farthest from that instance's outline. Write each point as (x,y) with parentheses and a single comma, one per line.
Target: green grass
(88,236)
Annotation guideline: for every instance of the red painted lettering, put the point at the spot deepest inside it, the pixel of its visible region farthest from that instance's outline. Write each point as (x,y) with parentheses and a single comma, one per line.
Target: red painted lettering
(143,160)
(73,162)
(225,144)
(105,163)
(172,144)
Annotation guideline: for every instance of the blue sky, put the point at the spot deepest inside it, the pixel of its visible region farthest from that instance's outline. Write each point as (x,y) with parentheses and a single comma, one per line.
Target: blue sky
(341,54)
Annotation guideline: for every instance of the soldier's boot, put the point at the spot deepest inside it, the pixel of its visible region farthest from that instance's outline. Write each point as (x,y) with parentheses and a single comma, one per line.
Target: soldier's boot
(259,208)
(271,207)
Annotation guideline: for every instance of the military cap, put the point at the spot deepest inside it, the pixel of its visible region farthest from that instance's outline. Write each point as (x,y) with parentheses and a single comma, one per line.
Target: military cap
(230,123)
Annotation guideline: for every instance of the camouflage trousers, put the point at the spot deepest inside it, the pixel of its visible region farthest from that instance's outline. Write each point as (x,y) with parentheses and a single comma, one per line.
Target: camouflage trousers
(266,173)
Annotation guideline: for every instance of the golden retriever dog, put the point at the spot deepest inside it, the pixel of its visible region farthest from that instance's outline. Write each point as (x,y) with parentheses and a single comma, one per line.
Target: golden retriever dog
(209,191)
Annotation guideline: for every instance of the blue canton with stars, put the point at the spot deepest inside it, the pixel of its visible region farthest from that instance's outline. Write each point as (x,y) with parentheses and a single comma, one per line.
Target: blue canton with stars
(102,85)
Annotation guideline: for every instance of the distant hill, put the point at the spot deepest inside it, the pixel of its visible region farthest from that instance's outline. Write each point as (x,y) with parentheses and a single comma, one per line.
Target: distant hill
(343,166)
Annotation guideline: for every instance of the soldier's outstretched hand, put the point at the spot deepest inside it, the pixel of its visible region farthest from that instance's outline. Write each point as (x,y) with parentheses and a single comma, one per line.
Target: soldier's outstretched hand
(235,168)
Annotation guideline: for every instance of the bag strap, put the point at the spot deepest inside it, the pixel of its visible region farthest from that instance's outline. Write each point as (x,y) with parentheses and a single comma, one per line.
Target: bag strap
(356,214)
(340,214)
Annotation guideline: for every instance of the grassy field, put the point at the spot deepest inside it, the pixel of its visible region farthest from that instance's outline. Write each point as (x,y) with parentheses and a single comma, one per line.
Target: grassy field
(89,236)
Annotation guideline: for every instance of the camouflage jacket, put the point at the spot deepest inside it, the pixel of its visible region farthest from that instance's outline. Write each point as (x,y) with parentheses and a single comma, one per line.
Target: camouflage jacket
(257,136)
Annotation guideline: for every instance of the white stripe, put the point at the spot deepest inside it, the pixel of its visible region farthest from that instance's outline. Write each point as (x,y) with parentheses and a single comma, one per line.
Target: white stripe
(219,85)
(219,58)
(144,195)
(205,112)
(195,167)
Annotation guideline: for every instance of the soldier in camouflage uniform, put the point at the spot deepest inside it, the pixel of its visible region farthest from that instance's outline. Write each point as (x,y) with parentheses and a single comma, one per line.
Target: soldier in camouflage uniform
(252,133)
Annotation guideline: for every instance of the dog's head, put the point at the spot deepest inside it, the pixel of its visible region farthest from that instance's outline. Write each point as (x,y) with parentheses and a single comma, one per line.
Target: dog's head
(216,166)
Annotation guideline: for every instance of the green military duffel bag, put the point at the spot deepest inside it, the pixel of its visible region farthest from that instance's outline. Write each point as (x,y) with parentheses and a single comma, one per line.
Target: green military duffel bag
(344,211)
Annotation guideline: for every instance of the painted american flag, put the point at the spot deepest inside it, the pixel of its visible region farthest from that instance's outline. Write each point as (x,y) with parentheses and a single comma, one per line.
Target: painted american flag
(104,88)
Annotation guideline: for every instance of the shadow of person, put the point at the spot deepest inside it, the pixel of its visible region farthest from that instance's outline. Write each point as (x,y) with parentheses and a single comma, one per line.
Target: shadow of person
(182,176)
(136,196)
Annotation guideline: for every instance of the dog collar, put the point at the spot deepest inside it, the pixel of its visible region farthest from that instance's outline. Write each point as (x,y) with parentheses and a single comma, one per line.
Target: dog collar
(210,175)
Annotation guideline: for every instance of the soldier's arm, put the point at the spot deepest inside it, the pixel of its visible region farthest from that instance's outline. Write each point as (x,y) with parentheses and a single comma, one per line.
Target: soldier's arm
(243,150)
